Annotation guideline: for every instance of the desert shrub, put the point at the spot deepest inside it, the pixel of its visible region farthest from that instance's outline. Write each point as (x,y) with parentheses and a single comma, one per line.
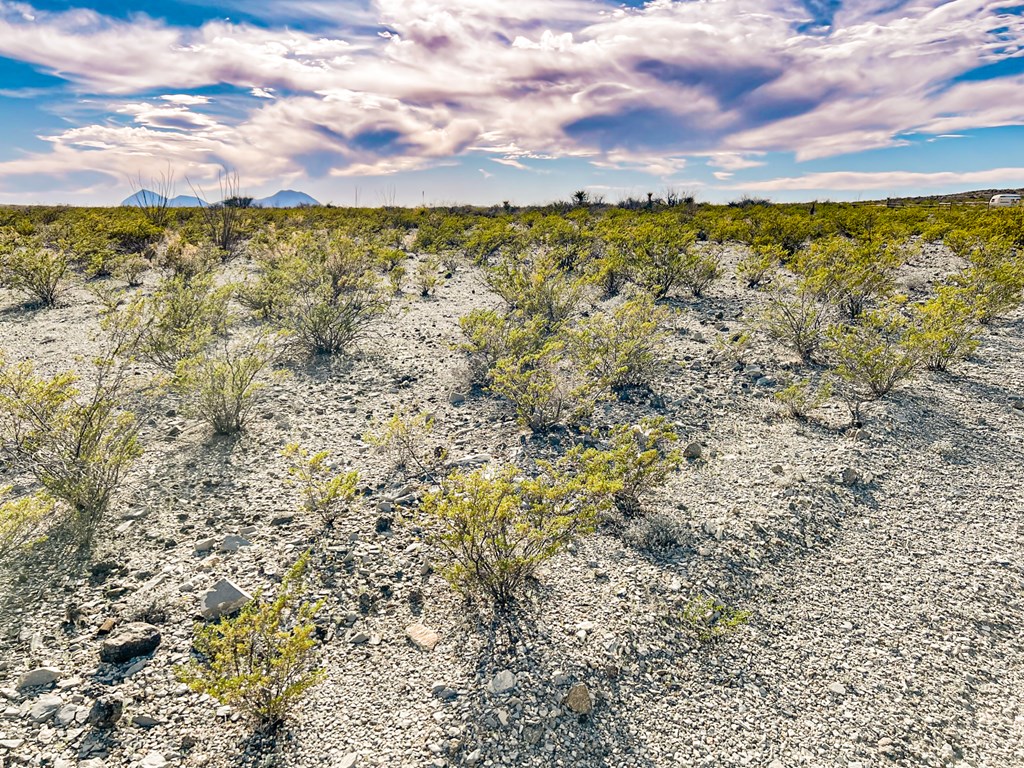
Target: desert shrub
(407,442)
(131,267)
(493,237)
(637,458)
(490,336)
(662,256)
(396,278)
(262,660)
(707,619)
(624,349)
(186,260)
(495,526)
(33,269)
(795,319)
(77,443)
(850,274)
(732,347)
(222,384)
(700,268)
(610,270)
(22,519)
(945,328)
(542,390)
(657,532)
(326,494)
(995,278)
(870,358)
(537,288)
(427,277)
(801,396)
(333,298)
(760,264)
(183,316)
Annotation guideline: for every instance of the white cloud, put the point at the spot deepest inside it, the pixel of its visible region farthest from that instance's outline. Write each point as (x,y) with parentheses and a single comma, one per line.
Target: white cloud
(639,89)
(883,180)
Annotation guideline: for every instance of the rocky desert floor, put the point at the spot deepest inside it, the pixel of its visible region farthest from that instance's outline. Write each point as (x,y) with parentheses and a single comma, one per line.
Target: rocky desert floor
(883,568)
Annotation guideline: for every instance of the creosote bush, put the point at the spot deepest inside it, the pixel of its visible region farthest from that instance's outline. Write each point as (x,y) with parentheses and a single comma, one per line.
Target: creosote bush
(32,268)
(795,319)
(407,442)
(179,321)
(326,494)
(222,384)
(261,661)
(707,619)
(542,389)
(637,459)
(76,442)
(624,349)
(851,274)
(801,396)
(945,328)
(23,519)
(870,358)
(496,526)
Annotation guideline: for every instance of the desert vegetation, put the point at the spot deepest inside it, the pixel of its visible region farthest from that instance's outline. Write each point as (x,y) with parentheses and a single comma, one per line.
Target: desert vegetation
(504,463)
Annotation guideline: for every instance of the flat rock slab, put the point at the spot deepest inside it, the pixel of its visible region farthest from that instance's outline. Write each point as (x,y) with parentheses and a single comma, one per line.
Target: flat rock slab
(39,676)
(129,642)
(422,636)
(223,599)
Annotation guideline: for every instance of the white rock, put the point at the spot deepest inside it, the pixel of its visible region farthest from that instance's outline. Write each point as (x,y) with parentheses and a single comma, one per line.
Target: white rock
(38,676)
(223,598)
(503,681)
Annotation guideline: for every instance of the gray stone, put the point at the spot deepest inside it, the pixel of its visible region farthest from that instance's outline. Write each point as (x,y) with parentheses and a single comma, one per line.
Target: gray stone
(849,476)
(693,451)
(205,545)
(423,637)
(579,700)
(223,598)
(233,543)
(349,761)
(66,715)
(38,676)
(154,760)
(129,642)
(146,721)
(106,711)
(503,681)
(837,688)
(45,708)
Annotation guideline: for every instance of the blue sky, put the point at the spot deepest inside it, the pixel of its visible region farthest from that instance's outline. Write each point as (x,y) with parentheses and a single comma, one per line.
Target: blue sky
(481,101)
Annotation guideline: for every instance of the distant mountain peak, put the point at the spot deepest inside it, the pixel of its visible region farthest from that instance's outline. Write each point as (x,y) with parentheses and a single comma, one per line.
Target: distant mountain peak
(285,198)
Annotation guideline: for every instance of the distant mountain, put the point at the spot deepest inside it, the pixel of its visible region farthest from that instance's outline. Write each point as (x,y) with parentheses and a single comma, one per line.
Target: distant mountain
(185,201)
(144,198)
(286,198)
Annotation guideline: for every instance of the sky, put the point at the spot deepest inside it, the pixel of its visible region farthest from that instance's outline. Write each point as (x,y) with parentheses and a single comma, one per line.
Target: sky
(405,102)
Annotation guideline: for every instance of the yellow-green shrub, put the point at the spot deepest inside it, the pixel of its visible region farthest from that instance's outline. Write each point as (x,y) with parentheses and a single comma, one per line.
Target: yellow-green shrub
(33,269)
(77,443)
(261,661)
(623,349)
(496,526)
(325,493)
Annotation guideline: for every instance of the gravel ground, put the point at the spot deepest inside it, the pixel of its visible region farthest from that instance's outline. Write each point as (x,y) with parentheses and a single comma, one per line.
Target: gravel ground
(882,569)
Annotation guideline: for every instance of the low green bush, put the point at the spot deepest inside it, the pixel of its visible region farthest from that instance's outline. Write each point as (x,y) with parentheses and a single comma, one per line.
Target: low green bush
(623,349)
(262,661)
(76,442)
(495,527)
(325,493)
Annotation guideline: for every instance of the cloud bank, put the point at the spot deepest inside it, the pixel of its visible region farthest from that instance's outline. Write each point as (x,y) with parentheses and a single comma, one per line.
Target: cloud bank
(648,89)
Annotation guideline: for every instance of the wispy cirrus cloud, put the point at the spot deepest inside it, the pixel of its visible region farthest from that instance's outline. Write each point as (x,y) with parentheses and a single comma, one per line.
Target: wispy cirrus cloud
(886,180)
(643,90)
